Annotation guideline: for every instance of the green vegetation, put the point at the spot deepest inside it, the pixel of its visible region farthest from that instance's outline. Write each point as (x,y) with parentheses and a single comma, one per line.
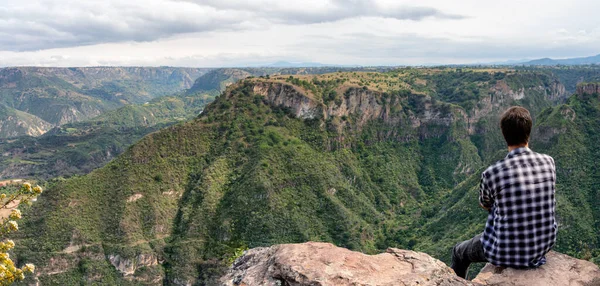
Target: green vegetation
(570,76)
(214,82)
(566,132)
(57,96)
(78,148)
(391,160)
(15,122)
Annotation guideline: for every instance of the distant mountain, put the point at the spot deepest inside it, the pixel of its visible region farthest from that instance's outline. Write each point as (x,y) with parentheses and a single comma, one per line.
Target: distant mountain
(506,62)
(217,80)
(570,61)
(62,95)
(284,64)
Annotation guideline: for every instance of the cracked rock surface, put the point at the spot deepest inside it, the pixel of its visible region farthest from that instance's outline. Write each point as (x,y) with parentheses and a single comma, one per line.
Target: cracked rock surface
(559,269)
(317,263)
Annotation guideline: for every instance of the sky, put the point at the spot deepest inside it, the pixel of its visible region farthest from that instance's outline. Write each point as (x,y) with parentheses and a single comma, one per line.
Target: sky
(214,33)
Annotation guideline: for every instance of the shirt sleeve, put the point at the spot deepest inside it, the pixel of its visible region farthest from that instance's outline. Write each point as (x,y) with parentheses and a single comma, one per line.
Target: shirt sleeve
(486,198)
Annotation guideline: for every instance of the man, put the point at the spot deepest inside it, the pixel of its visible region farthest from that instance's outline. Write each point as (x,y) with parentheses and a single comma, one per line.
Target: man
(518,193)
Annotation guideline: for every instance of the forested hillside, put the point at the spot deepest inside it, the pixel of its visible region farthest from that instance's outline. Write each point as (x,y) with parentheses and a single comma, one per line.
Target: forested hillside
(362,159)
(80,147)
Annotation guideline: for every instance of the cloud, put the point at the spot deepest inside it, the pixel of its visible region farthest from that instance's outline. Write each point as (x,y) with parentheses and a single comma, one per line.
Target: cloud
(46,24)
(64,23)
(249,32)
(320,11)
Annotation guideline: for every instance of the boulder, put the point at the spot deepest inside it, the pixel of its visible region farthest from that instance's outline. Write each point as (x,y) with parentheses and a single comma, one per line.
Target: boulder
(320,264)
(315,263)
(559,269)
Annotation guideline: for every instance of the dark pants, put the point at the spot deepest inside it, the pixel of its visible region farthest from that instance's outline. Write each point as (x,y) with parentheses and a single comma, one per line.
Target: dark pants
(465,253)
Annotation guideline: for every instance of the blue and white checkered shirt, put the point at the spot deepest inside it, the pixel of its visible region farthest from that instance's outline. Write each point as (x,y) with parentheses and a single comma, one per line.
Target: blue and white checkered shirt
(519,192)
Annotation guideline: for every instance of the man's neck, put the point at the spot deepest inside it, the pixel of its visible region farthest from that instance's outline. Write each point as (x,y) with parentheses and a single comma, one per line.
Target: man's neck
(510,148)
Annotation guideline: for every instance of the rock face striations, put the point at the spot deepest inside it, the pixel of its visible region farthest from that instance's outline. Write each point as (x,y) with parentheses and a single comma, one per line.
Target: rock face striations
(314,263)
(588,88)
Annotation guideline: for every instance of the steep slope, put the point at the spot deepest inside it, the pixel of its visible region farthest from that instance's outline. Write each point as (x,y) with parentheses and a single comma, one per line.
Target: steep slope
(217,80)
(64,95)
(14,123)
(570,133)
(161,110)
(351,158)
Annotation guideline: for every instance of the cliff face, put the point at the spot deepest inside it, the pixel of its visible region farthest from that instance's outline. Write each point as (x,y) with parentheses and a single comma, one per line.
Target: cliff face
(284,95)
(588,88)
(503,96)
(324,264)
(368,106)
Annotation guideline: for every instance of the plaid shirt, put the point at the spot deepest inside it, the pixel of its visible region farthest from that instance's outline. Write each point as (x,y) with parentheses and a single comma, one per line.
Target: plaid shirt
(519,192)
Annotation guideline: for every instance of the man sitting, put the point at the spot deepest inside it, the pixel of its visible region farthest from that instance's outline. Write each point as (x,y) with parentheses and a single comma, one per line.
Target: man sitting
(518,193)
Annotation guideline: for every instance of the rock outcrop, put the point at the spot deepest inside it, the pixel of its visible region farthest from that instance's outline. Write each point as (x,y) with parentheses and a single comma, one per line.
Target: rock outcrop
(560,269)
(588,88)
(288,96)
(315,263)
(129,266)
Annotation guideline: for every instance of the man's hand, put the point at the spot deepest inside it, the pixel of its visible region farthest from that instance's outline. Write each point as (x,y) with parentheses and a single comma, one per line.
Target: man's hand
(484,207)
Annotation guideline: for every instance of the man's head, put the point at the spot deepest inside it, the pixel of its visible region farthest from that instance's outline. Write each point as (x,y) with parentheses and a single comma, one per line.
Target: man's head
(516,126)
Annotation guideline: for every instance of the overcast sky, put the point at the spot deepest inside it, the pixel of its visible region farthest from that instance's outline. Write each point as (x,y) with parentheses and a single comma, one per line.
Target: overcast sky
(210,33)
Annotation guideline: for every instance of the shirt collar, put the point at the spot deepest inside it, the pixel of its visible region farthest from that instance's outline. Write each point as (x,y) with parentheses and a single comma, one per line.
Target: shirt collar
(518,151)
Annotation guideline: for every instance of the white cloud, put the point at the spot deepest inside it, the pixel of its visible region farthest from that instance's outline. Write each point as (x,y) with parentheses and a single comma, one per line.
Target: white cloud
(44,24)
(236,32)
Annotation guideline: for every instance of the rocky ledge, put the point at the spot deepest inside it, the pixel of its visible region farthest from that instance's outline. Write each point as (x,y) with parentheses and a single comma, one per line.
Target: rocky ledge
(560,269)
(315,263)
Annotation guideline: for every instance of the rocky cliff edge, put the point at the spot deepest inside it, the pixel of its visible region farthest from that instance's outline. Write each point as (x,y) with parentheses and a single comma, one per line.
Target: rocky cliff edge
(315,263)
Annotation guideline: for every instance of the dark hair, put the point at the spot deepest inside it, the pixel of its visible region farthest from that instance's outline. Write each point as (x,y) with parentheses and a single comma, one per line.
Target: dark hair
(516,125)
